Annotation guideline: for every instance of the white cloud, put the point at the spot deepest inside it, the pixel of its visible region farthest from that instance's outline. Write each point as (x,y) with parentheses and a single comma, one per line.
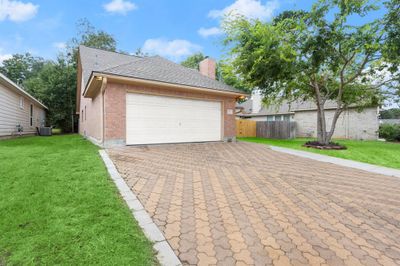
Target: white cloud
(206,32)
(17,11)
(4,57)
(119,6)
(60,45)
(173,49)
(252,9)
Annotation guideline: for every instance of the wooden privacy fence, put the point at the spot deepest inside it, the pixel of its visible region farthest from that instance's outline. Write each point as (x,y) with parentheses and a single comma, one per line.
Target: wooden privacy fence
(266,129)
(245,128)
(276,129)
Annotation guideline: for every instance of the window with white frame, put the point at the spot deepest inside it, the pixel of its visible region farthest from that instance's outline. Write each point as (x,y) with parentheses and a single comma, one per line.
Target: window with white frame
(21,102)
(31,116)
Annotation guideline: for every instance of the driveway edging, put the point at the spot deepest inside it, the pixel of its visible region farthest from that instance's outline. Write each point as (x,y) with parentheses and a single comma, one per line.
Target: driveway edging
(339,161)
(165,254)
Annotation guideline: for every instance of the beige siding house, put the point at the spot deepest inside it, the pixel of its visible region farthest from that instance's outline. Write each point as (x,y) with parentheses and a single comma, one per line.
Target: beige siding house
(18,109)
(351,124)
(132,100)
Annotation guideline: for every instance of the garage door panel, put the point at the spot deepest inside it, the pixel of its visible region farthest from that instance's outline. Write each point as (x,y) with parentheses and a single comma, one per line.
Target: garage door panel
(159,119)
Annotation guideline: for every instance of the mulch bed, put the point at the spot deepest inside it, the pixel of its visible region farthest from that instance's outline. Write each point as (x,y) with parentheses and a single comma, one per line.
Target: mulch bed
(320,146)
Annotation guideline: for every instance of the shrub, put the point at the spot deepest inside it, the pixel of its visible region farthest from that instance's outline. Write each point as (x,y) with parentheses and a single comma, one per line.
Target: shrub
(390,132)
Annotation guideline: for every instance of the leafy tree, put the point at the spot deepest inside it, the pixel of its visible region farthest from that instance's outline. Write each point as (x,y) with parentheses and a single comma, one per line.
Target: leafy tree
(228,75)
(55,86)
(139,52)
(316,56)
(392,26)
(393,113)
(391,50)
(55,83)
(193,61)
(89,36)
(21,67)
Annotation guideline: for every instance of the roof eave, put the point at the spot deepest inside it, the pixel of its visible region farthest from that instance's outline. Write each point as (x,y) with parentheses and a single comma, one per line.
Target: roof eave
(22,91)
(91,88)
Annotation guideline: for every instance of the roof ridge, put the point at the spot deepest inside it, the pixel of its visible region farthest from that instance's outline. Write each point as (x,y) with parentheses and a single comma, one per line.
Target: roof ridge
(114,52)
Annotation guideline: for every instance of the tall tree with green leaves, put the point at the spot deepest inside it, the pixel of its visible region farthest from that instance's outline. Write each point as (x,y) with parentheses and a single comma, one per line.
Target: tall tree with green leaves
(391,49)
(21,67)
(316,55)
(55,86)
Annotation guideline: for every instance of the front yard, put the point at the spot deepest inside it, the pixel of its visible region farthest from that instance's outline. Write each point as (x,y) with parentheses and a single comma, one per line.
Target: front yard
(374,152)
(58,206)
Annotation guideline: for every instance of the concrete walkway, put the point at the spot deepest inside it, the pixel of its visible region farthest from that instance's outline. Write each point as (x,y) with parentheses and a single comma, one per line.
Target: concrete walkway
(338,161)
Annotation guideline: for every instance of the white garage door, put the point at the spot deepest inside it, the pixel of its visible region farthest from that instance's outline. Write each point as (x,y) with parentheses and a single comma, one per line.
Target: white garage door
(158,119)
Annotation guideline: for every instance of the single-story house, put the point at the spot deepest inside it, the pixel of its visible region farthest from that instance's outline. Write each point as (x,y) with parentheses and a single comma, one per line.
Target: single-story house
(20,112)
(351,124)
(126,100)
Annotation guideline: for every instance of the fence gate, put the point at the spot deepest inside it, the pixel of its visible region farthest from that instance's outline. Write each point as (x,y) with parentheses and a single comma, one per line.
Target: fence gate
(276,129)
(245,128)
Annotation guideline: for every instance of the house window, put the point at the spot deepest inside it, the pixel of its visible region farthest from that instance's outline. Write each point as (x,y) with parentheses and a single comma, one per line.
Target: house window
(85,112)
(286,117)
(278,118)
(31,116)
(21,102)
(270,118)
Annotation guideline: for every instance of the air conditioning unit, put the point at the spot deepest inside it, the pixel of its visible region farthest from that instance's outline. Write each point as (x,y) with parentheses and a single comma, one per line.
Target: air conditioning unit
(45,131)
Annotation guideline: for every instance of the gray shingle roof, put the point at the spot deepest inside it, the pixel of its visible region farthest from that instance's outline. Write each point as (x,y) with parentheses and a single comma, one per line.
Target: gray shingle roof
(283,108)
(153,68)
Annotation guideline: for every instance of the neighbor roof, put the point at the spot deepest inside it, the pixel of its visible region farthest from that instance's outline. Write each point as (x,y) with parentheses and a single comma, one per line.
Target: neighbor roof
(17,88)
(153,68)
(283,108)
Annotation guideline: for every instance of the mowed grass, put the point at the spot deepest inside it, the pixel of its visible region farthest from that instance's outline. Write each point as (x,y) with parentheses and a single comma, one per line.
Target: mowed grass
(373,152)
(59,206)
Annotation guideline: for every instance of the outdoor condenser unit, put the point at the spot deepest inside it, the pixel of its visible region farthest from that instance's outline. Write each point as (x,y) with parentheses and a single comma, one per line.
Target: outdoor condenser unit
(45,131)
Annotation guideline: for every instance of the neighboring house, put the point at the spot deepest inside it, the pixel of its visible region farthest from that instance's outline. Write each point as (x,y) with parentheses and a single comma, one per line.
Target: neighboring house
(18,109)
(125,100)
(350,125)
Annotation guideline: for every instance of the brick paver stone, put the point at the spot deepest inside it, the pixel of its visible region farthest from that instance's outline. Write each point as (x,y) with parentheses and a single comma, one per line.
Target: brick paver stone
(244,204)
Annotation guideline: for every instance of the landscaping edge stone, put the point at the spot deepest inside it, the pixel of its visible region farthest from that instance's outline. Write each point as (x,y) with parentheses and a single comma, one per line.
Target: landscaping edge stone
(165,254)
(339,161)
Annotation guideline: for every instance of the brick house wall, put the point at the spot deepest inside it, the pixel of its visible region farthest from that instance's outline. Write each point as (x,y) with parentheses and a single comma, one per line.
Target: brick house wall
(115,108)
(90,118)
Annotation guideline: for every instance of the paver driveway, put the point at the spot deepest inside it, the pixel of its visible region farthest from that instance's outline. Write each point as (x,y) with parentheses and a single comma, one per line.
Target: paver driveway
(242,203)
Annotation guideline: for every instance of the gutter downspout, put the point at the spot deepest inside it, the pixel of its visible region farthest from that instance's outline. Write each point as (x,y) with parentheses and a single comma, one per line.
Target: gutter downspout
(102,91)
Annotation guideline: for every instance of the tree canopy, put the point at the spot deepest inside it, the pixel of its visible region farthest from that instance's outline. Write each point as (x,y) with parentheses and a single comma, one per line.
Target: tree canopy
(193,60)
(316,55)
(21,67)
(54,82)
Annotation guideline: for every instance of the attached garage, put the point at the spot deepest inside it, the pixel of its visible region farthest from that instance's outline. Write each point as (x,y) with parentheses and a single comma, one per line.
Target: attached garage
(133,100)
(171,119)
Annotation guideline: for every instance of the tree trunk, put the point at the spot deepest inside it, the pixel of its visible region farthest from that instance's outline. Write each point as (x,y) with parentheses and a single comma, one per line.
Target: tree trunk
(324,136)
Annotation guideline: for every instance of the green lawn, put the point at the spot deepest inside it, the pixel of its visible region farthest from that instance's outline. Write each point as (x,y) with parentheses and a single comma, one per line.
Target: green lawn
(373,152)
(59,206)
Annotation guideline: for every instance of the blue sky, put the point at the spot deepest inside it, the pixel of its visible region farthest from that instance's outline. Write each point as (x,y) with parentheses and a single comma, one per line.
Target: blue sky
(173,29)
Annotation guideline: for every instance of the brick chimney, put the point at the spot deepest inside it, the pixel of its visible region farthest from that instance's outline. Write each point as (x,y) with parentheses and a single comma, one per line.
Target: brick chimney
(207,67)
